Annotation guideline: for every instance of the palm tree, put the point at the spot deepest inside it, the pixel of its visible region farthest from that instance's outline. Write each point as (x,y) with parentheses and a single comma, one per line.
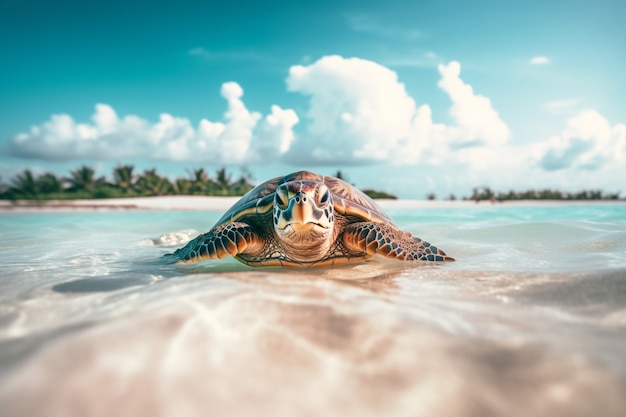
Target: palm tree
(183,186)
(151,183)
(3,188)
(223,181)
(83,179)
(123,176)
(25,184)
(595,194)
(200,182)
(482,194)
(49,183)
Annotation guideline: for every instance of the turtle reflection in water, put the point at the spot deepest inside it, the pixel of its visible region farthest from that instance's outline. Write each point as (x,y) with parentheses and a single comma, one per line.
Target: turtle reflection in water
(304,220)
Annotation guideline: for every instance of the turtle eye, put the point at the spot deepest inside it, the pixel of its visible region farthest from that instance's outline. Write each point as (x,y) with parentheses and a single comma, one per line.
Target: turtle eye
(281,199)
(325,197)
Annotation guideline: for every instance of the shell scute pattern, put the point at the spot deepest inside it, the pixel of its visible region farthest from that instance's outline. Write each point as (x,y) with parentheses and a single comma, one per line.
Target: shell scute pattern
(347,199)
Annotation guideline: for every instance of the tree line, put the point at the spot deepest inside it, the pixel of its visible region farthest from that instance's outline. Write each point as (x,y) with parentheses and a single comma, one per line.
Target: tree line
(486,194)
(84,183)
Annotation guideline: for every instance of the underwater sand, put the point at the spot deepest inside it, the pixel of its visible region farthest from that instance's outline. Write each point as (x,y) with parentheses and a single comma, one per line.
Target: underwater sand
(530,320)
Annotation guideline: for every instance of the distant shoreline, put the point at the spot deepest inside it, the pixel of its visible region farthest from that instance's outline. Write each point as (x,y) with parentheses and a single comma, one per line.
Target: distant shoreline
(211,203)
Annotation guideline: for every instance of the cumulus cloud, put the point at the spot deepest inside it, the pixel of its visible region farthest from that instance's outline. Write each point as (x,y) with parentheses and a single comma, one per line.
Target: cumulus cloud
(275,135)
(539,60)
(61,138)
(171,138)
(587,142)
(229,141)
(477,120)
(360,112)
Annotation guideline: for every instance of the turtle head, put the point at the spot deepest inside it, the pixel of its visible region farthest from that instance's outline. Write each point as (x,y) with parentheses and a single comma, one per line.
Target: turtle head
(304,216)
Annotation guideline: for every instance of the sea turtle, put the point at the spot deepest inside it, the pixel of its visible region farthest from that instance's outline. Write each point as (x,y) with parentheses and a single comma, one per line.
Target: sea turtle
(304,220)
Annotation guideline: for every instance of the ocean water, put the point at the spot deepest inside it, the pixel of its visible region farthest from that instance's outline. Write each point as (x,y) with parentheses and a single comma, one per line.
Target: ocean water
(529,321)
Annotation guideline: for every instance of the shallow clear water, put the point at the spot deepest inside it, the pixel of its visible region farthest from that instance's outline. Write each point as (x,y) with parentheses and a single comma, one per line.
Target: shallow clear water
(530,320)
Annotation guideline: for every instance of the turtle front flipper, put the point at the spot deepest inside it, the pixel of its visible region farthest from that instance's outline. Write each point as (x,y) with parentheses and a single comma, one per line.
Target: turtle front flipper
(379,238)
(228,239)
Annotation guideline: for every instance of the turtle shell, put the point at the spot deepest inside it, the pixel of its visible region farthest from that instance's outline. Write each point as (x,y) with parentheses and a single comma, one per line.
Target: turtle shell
(348,201)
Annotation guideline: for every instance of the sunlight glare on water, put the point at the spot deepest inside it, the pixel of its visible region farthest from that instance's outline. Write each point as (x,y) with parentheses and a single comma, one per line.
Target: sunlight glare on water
(530,320)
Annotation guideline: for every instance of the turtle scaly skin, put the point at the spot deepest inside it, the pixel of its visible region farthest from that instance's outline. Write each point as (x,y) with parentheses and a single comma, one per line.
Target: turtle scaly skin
(304,220)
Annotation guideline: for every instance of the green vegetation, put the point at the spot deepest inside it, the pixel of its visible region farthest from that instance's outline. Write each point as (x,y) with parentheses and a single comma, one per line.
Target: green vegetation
(486,194)
(83,183)
(379,194)
(368,191)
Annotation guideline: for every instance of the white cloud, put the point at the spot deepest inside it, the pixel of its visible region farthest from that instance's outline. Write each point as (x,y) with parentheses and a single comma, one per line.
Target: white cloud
(171,138)
(275,135)
(61,138)
(476,118)
(234,141)
(539,60)
(359,112)
(587,142)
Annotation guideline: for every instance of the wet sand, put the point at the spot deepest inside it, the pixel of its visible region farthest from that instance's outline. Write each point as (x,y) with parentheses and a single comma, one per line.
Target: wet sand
(530,320)
(262,344)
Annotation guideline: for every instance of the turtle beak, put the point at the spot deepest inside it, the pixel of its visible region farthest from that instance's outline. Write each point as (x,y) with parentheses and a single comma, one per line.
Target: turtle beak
(302,210)
(303,218)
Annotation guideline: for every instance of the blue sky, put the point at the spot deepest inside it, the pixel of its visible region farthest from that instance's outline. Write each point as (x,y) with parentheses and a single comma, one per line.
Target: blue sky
(410,97)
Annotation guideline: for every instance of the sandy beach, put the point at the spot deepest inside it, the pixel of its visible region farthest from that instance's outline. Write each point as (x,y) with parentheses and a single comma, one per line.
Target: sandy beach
(136,203)
(213,203)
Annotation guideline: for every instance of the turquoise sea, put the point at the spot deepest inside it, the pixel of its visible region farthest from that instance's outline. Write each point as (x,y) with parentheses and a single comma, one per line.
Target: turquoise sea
(529,321)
